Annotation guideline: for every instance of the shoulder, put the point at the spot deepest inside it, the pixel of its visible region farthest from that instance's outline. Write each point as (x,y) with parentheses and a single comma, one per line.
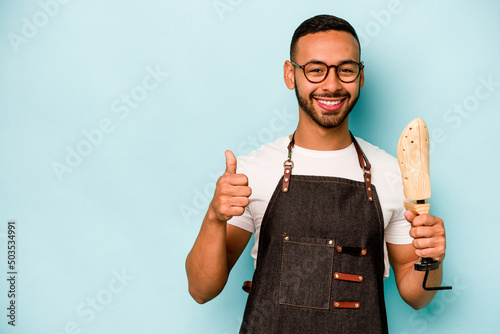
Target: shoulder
(386,174)
(377,156)
(269,154)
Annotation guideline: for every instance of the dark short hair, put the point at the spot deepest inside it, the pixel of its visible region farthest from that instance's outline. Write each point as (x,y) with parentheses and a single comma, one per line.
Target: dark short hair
(321,23)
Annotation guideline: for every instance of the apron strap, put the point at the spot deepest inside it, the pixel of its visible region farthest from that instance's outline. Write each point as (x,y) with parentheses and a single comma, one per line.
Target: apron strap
(363,163)
(366,167)
(288,164)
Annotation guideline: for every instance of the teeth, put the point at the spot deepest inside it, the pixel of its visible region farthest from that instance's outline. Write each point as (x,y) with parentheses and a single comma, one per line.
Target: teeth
(329,103)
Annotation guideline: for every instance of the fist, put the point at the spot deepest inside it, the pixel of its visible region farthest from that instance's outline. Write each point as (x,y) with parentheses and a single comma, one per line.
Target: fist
(429,238)
(231,193)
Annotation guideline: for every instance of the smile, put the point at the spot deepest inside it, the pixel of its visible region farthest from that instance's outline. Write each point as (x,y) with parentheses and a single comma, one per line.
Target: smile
(329,105)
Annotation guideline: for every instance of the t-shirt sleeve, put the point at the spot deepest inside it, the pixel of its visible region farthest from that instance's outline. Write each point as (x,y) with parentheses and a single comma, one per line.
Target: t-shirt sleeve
(244,221)
(398,230)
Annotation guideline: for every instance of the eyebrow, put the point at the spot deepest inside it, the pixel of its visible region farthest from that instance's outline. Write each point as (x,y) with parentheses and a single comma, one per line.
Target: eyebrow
(320,61)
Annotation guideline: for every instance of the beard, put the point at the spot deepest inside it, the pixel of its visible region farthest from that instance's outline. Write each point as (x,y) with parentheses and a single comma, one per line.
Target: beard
(331,119)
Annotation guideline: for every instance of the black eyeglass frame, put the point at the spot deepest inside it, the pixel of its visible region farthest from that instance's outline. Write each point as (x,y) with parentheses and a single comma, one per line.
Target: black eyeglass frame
(303,67)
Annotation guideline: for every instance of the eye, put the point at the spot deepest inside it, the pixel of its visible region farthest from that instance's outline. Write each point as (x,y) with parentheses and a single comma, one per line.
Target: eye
(315,69)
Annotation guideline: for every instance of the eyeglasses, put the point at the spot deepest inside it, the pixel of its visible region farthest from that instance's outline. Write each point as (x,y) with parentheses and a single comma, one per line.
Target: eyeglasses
(316,71)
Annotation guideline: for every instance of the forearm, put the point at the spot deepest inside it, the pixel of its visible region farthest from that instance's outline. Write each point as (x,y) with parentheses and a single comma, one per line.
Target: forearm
(206,264)
(218,244)
(411,290)
(429,241)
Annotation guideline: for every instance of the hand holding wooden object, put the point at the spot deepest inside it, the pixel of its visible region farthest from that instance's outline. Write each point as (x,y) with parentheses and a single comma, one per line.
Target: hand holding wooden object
(413,157)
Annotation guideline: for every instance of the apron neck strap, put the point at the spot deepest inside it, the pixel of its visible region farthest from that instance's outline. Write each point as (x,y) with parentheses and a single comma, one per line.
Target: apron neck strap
(364,164)
(366,167)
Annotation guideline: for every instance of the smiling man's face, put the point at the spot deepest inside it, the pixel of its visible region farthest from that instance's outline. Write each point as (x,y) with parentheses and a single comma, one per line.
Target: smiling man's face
(327,103)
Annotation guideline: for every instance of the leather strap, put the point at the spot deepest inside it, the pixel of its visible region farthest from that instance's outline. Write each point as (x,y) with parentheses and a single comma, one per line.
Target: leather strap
(288,164)
(348,277)
(351,250)
(286,178)
(366,167)
(354,305)
(247,286)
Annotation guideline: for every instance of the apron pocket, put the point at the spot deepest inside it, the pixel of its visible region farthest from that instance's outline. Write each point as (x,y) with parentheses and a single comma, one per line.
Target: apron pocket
(306,272)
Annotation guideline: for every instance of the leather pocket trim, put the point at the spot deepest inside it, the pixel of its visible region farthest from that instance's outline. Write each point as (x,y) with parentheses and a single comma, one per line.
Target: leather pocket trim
(353,305)
(348,277)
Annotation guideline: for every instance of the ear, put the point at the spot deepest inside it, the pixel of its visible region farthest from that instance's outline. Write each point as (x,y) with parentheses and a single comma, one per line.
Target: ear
(361,78)
(288,74)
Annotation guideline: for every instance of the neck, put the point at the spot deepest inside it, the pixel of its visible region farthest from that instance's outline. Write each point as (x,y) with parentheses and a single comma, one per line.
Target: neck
(315,137)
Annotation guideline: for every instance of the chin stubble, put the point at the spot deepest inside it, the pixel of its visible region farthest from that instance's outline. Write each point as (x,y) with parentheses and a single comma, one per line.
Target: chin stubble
(331,122)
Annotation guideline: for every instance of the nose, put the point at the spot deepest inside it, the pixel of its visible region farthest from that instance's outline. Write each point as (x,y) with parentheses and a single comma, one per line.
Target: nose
(332,82)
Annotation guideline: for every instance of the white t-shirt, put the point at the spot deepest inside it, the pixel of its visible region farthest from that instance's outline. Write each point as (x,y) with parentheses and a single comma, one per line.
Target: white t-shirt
(264,168)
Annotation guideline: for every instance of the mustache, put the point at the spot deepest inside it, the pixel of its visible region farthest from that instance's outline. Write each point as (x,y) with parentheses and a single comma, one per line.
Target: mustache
(331,95)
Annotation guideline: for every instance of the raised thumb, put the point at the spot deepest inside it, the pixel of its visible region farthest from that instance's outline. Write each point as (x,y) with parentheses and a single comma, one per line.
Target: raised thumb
(230,163)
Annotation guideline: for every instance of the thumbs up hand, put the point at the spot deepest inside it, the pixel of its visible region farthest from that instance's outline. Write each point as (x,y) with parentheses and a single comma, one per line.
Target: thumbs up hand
(231,193)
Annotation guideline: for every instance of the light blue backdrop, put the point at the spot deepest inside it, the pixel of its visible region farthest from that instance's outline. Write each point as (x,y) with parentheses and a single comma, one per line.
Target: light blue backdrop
(115,115)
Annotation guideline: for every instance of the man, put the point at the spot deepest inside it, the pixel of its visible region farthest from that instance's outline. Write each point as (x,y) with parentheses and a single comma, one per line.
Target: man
(325,223)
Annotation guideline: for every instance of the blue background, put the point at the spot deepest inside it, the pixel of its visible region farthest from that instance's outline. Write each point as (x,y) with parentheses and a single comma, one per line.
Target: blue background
(113,229)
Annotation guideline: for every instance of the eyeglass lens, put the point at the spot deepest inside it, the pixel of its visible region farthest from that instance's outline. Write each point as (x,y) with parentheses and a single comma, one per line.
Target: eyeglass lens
(316,72)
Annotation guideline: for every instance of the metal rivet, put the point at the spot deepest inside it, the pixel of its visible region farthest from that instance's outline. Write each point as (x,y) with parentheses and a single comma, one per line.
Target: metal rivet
(356,305)
(286,238)
(369,189)
(285,189)
(337,275)
(339,249)
(287,171)
(360,278)
(330,242)
(286,179)
(370,198)
(336,304)
(363,252)
(367,179)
